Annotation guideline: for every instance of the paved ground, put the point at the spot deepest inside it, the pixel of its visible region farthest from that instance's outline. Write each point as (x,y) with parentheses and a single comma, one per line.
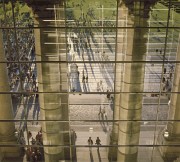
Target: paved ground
(87,107)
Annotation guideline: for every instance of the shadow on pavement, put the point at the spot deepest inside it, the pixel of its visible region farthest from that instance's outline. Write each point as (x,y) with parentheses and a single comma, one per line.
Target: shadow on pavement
(99,156)
(91,156)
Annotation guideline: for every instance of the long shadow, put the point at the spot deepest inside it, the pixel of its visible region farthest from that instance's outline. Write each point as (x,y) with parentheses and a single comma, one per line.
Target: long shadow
(16,101)
(78,86)
(106,120)
(29,104)
(101,117)
(94,41)
(36,109)
(91,52)
(24,109)
(78,49)
(99,156)
(24,112)
(88,88)
(112,104)
(92,70)
(109,69)
(108,45)
(91,156)
(105,76)
(84,87)
(89,57)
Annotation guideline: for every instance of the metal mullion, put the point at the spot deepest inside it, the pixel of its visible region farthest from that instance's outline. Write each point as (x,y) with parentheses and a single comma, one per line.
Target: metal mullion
(115,63)
(66,40)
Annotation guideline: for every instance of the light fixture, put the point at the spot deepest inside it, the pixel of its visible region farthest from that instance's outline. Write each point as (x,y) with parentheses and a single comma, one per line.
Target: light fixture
(166,134)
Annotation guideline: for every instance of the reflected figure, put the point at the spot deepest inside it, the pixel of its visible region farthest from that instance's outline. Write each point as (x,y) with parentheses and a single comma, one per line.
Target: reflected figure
(90,143)
(98,142)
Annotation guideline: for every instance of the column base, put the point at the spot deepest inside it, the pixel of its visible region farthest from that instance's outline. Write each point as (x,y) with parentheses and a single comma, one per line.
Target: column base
(171,149)
(127,157)
(68,153)
(112,151)
(10,151)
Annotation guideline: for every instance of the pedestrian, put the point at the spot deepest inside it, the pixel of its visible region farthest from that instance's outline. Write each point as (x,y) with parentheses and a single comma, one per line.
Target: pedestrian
(98,87)
(108,94)
(33,141)
(170,75)
(164,80)
(100,114)
(164,70)
(169,102)
(34,157)
(86,78)
(90,143)
(83,72)
(29,134)
(83,79)
(104,113)
(39,155)
(98,142)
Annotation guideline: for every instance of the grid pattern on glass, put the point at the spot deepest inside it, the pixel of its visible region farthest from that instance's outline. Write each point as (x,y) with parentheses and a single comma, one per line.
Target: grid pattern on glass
(83,69)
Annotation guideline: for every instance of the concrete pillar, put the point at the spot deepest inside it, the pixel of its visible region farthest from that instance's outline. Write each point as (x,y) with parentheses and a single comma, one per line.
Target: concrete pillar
(7,129)
(52,81)
(120,52)
(171,152)
(133,79)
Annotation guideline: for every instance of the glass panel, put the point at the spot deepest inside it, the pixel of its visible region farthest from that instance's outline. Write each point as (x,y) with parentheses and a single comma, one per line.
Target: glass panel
(78,69)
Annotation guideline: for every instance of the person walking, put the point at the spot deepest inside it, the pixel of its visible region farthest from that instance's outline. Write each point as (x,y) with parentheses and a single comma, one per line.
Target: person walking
(98,142)
(83,79)
(86,78)
(100,114)
(90,143)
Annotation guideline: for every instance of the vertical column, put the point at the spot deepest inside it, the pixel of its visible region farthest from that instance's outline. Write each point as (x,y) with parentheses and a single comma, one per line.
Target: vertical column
(50,82)
(63,68)
(174,113)
(7,129)
(120,52)
(133,80)
(170,153)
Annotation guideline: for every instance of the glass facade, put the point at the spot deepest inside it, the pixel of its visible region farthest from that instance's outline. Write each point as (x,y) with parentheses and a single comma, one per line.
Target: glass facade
(75,69)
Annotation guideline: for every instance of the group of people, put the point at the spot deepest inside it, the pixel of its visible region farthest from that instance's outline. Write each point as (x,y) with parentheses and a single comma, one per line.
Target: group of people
(167,79)
(80,39)
(35,152)
(90,143)
(18,46)
(102,113)
(83,36)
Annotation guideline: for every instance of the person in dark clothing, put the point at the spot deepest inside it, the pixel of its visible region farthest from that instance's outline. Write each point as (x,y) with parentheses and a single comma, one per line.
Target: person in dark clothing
(83,79)
(87,79)
(164,70)
(90,143)
(98,142)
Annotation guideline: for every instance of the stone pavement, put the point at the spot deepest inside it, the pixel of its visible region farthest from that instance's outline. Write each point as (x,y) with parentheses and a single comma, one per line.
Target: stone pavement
(145,154)
(86,107)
